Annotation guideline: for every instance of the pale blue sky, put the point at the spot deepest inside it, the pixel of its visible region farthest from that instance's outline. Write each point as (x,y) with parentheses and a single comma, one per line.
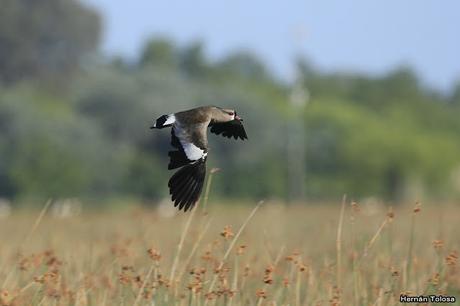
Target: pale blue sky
(361,35)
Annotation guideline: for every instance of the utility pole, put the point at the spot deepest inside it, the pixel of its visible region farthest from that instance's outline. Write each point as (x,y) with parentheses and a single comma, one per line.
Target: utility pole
(296,138)
(296,141)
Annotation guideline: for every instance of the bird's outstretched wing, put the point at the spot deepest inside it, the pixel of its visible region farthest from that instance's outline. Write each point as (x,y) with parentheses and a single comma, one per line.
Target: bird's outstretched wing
(230,129)
(177,158)
(187,150)
(186,184)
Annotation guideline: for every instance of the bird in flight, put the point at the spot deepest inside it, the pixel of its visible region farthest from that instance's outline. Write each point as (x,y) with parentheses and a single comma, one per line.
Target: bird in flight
(189,138)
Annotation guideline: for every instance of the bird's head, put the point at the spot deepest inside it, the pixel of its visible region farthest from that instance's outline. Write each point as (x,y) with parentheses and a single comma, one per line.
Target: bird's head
(226,115)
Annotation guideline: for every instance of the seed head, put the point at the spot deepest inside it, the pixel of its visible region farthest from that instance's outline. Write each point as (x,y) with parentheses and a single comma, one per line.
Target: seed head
(241,249)
(53,293)
(53,261)
(50,276)
(214,170)
(260,293)
(210,295)
(247,271)
(269,269)
(163,281)
(155,255)
(438,244)
(5,297)
(302,267)
(390,214)
(434,280)
(138,281)
(124,279)
(355,207)
(452,259)
(268,279)
(227,232)
(127,268)
(207,256)
(293,257)
(147,294)
(417,207)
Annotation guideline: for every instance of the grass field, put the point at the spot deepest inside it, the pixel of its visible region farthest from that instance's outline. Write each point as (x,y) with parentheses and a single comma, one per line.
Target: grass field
(233,255)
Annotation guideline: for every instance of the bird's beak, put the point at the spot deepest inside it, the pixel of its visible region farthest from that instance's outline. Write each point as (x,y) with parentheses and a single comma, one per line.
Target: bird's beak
(238,118)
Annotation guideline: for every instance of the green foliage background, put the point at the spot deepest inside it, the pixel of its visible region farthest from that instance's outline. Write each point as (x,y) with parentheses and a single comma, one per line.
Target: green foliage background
(75,123)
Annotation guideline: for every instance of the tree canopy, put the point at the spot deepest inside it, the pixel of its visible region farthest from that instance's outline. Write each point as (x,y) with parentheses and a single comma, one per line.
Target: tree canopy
(388,136)
(43,39)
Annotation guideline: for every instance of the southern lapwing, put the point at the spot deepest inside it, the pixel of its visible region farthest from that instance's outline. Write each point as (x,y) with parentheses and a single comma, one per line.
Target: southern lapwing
(189,138)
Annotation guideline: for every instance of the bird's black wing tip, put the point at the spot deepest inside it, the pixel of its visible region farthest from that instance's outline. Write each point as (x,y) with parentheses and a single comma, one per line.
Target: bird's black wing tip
(230,129)
(186,184)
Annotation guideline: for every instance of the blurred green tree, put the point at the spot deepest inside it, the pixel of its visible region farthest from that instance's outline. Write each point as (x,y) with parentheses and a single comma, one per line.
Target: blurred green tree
(45,39)
(387,136)
(193,60)
(243,65)
(455,97)
(159,52)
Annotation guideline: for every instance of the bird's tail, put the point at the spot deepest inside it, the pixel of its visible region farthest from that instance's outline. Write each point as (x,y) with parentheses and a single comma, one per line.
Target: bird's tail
(164,121)
(185,185)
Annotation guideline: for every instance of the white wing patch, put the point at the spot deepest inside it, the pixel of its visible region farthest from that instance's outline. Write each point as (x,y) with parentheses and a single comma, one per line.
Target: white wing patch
(171,119)
(191,150)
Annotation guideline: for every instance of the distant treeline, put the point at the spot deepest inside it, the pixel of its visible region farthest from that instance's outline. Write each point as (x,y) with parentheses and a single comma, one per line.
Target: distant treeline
(75,123)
